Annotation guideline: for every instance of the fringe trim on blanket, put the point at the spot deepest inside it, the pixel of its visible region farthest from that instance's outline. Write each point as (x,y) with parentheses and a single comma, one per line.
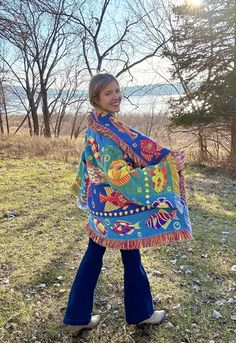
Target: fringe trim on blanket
(182,186)
(163,239)
(129,151)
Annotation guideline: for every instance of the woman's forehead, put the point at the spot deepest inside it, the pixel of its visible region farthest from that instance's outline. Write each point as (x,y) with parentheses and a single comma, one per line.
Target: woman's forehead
(110,86)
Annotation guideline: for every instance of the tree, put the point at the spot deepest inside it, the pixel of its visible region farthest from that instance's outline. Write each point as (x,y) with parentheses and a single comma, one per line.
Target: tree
(42,41)
(3,88)
(203,53)
(3,105)
(109,41)
(67,99)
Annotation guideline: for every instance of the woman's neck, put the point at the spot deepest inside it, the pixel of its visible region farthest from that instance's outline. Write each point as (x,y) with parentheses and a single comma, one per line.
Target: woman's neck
(102,112)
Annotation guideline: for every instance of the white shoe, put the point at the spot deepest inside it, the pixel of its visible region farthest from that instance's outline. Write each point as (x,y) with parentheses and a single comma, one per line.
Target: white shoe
(156,318)
(75,329)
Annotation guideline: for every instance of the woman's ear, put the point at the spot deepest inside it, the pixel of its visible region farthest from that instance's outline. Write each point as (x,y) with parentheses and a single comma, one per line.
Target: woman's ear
(96,101)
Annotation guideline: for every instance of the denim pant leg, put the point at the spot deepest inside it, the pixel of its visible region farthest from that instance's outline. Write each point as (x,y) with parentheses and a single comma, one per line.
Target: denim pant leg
(137,293)
(80,303)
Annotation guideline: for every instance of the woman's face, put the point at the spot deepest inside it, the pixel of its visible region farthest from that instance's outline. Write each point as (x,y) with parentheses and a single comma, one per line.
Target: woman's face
(110,97)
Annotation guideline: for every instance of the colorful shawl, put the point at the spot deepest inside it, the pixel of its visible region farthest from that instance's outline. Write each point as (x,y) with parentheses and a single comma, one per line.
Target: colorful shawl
(130,186)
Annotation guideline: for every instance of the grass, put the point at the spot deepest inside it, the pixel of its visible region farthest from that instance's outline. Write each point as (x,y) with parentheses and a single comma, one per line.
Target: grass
(42,244)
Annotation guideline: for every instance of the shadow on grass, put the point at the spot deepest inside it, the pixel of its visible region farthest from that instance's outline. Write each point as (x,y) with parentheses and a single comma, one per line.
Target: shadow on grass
(212,171)
(206,239)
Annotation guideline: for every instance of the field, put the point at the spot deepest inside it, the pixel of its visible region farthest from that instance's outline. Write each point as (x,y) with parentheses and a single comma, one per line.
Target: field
(43,240)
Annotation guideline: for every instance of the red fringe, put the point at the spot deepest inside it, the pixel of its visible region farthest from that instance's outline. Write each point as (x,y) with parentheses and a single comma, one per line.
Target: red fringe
(163,239)
(129,151)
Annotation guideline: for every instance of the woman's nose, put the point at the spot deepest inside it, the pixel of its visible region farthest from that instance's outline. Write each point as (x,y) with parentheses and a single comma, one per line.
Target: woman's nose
(115,96)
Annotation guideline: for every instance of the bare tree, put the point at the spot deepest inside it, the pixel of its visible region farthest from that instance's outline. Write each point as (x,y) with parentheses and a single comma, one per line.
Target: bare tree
(110,42)
(67,99)
(43,42)
(3,105)
(3,87)
(22,74)
(44,33)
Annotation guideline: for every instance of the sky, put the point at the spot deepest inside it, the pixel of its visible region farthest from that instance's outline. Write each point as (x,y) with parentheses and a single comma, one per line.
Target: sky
(156,69)
(153,70)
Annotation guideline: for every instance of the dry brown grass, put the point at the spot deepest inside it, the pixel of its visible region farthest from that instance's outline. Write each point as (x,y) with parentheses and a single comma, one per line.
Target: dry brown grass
(64,148)
(22,145)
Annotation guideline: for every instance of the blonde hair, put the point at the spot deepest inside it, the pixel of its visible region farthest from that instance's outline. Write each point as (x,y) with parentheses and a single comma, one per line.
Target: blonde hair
(97,83)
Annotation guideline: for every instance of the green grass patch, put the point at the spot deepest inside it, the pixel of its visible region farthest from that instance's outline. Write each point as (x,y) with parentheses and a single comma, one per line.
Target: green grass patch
(43,240)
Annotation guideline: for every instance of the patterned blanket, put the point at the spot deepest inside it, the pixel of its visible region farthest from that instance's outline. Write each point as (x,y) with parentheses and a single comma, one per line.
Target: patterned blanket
(130,186)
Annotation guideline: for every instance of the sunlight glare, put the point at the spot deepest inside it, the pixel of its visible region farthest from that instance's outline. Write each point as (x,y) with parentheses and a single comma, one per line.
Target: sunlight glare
(195,2)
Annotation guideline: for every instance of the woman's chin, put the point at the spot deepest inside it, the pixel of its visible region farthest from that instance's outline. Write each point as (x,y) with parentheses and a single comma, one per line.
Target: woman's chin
(111,109)
(116,109)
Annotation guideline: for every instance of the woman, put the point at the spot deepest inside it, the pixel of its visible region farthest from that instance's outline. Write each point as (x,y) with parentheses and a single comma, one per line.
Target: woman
(133,189)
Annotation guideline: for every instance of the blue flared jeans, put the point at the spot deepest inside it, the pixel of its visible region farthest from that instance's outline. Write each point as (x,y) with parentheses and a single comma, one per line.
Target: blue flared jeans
(137,295)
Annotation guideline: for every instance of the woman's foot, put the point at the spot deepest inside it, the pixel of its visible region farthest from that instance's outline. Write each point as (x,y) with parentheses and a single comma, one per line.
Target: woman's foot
(75,329)
(156,317)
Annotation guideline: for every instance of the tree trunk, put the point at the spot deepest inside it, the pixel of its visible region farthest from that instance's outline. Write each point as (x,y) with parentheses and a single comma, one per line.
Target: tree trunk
(1,106)
(233,123)
(233,142)
(6,115)
(1,123)
(35,119)
(34,115)
(3,101)
(46,113)
(202,146)
(60,121)
(73,125)
(30,126)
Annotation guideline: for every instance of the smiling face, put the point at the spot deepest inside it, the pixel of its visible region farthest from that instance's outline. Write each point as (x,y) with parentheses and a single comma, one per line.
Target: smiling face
(109,98)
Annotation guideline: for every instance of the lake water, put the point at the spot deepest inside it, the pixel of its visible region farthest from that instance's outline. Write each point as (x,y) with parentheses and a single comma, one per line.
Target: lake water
(133,104)
(146,104)
(141,104)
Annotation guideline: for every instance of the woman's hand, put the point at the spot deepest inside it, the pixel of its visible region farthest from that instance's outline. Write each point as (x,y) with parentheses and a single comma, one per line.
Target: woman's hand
(179,160)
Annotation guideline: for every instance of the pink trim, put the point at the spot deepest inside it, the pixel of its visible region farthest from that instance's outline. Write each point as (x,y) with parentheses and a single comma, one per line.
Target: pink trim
(159,240)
